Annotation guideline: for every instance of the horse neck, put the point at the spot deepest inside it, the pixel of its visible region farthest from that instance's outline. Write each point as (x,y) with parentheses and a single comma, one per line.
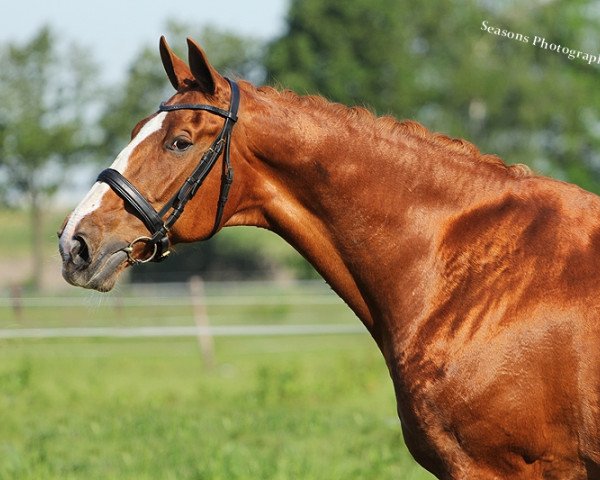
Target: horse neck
(362,199)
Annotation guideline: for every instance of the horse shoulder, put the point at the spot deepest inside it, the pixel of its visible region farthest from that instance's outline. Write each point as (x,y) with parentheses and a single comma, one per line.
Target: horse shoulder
(515,321)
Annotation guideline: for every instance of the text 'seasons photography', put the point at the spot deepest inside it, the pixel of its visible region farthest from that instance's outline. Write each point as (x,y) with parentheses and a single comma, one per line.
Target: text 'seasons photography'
(541,42)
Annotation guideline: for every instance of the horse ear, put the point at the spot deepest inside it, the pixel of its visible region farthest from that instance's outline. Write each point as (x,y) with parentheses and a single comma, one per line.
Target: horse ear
(204,73)
(177,71)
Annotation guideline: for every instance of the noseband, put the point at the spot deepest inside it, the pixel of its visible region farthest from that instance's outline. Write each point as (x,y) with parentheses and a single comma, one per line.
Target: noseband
(159,228)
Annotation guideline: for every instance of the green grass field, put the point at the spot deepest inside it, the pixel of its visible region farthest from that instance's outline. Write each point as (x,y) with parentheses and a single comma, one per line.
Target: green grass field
(272,408)
(303,407)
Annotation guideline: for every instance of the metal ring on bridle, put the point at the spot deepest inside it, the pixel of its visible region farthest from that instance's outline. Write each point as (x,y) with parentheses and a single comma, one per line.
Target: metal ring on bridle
(129,250)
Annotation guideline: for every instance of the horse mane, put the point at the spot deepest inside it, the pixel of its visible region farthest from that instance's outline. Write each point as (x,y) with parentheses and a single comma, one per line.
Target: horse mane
(389,126)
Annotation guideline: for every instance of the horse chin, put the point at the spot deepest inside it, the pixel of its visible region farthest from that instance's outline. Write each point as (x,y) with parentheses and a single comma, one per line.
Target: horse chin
(100,275)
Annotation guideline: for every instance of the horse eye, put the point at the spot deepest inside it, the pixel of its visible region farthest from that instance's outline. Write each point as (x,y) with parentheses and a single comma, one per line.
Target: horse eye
(180,145)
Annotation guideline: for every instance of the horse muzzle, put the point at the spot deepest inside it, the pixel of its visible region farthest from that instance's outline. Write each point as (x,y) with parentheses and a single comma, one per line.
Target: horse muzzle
(89,267)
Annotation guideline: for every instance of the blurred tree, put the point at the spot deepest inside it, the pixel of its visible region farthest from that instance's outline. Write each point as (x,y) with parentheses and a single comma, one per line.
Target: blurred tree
(432,61)
(45,123)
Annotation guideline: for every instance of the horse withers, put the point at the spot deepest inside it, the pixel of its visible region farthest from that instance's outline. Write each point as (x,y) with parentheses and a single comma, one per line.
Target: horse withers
(478,281)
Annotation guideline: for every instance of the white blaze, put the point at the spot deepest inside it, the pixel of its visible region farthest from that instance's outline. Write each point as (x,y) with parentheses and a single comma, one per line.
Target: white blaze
(93,199)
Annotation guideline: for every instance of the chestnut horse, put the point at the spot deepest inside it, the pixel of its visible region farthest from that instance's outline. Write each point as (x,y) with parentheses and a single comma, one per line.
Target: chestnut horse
(478,281)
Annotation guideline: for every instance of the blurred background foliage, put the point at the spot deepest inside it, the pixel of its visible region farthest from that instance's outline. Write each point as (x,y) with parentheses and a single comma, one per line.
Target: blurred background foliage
(429,61)
(432,62)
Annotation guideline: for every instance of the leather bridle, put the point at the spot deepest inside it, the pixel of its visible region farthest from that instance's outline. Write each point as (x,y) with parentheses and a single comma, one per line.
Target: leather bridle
(159,228)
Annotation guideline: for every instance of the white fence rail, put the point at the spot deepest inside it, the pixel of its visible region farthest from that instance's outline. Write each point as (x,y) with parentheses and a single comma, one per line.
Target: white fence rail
(220,300)
(303,299)
(140,332)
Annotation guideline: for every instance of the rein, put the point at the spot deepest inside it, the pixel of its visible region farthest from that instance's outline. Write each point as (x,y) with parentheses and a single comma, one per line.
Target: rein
(159,228)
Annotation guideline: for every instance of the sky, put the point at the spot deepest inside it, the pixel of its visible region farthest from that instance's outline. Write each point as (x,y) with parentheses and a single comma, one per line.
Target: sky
(115,30)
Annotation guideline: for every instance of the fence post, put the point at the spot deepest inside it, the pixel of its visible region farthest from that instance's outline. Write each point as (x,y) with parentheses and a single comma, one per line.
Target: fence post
(16,294)
(205,339)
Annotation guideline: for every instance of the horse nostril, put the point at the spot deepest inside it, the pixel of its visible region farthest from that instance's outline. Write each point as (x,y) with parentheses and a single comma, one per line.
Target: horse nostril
(80,252)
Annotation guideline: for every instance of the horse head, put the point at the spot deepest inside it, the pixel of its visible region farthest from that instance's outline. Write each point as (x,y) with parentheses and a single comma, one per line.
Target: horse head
(150,198)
